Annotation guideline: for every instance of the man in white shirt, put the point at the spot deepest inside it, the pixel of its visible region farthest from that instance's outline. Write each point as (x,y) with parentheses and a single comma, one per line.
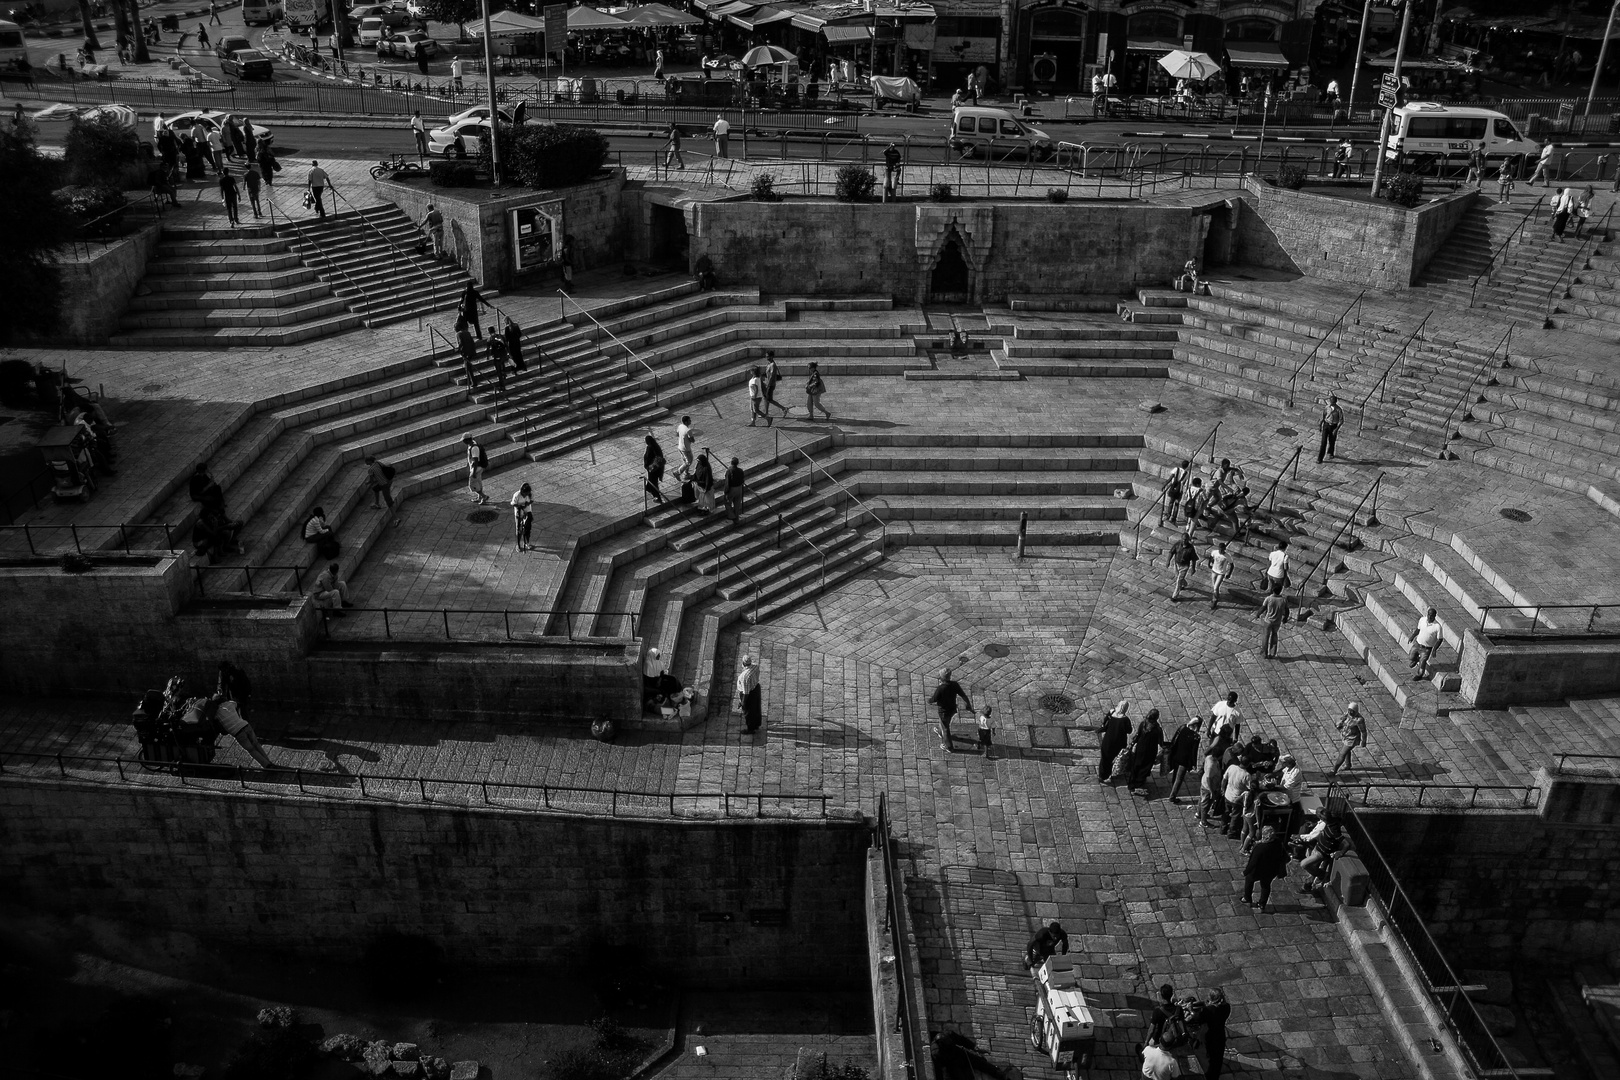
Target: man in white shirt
(1425,643)
(1224,714)
(1277,570)
(1109,82)
(683,446)
(1333,93)
(722,130)
(1543,164)
(1157,1064)
(419,132)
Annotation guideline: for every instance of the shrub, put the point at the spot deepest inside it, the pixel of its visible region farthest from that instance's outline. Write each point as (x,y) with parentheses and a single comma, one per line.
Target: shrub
(97,151)
(1057,194)
(553,156)
(1291,177)
(1404,189)
(940,192)
(452,173)
(855,183)
(763,189)
(96,210)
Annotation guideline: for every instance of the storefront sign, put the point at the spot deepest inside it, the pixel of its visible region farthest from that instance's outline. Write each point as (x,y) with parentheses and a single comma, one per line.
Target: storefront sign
(537,235)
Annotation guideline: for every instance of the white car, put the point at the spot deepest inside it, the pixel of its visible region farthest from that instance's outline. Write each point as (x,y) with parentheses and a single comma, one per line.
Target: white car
(370,32)
(473,131)
(210,120)
(511,114)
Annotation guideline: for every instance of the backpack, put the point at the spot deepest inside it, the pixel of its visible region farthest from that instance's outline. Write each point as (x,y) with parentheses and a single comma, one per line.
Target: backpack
(483,458)
(388,471)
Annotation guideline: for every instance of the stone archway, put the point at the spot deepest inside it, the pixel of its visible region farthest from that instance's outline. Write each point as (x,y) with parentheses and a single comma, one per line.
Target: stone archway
(968,232)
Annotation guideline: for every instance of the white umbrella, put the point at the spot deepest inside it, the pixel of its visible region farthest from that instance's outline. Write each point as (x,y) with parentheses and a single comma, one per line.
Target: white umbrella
(767,55)
(1182,64)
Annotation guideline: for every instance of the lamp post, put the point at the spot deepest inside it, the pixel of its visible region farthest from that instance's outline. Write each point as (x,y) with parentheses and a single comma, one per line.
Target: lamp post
(1603,54)
(494,115)
(1361,52)
(1383,125)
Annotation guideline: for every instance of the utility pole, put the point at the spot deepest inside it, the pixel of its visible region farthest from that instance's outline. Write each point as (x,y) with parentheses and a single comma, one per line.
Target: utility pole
(1603,54)
(494,115)
(1361,52)
(1383,125)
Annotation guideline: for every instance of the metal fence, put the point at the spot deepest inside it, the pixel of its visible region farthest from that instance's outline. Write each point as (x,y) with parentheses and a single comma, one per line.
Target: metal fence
(1419,795)
(1550,620)
(60,539)
(913,1033)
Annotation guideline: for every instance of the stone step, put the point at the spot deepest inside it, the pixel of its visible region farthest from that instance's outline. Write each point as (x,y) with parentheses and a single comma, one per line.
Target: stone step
(946,485)
(1543,451)
(246,247)
(191,265)
(998,533)
(1110,331)
(226,282)
(215,298)
(305,312)
(1389,667)
(226,336)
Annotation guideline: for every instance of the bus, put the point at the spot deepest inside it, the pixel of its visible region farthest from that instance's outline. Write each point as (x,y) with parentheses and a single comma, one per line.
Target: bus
(13,50)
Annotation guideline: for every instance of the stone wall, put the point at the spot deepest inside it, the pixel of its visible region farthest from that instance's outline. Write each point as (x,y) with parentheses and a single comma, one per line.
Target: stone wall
(1365,244)
(477,234)
(820,246)
(1506,885)
(715,903)
(97,283)
(1496,674)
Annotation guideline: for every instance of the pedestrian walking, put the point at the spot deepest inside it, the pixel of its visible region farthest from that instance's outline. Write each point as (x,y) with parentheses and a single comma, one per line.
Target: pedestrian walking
(202,35)
(1332,419)
(722,132)
(1170,497)
(469,356)
(231,137)
(1273,612)
(477,463)
(523,516)
(419,50)
(814,387)
(1116,734)
(1354,730)
(213,13)
(216,150)
(456,70)
(703,480)
(1267,862)
(566,259)
(1220,570)
(658,63)
(1544,165)
(268,165)
(735,483)
(1562,205)
(1181,559)
(419,133)
(1426,641)
(380,478)
(1476,166)
(227,192)
(685,436)
(773,375)
(1225,718)
(1146,743)
(1209,782)
(497,358)
(514,346)
(1341,158)
(433,226)
(944,699)
(250,140)
(1181,754)
(891,170)
(756,398)
(471,301)
(1276,576)
(1217,1012)
(749,695)
(652,465)
(672,146)
(318,181)
(1583,209)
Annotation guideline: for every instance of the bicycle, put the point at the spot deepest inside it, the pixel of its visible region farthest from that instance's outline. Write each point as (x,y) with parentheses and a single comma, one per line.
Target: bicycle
(390,166)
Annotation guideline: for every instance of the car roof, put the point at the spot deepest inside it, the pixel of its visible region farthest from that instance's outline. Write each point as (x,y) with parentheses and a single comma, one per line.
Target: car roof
(1414,107)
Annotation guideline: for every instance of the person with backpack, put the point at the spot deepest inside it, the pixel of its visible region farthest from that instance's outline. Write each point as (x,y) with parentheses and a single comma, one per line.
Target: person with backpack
(814,387)
(1192,502)
(1182,558)
(380,476)
(944,699)
(1332,420)
(477,463)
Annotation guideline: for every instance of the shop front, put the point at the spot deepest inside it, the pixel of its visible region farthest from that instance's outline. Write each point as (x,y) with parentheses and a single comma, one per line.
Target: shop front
(1253,66)
(962,46)
(1049,45)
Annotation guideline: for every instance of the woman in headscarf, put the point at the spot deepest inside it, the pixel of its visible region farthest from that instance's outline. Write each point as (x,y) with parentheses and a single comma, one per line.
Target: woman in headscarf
(1116,733)
(652,464)
(1144,752)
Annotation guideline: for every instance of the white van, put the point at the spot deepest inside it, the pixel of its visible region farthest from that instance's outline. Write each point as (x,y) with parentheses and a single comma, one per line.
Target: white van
(261,12)
(995,132)
(1424,131)
(13,49)
(371,31)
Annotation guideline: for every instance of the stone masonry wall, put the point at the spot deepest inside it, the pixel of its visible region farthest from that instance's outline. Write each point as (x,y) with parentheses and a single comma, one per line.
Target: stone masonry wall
(1506,884)
(97,289)
(702,903)
(1496,674)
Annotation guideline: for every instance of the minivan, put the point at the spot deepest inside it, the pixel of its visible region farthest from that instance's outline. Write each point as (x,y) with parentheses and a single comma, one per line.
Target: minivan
(979,129)
(261,12)
(1424,131)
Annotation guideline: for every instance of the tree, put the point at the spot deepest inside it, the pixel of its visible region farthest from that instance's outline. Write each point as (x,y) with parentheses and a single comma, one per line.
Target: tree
(34,226)
(139,39)
(89,25)
(460,12)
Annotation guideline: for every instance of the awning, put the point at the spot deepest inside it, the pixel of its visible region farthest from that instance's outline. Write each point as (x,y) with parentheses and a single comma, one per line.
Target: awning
(806,21)
(731,7)
(760,18)
(843,35)
(588,18)
(513,22)
(1255,54)
(1139,45)
(658,15)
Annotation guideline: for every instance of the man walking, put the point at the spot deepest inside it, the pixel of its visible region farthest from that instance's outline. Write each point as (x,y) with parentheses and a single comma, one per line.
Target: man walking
(1425,643)
(658,64)
(1332,419)
(685,438)
(748,695)
(773,375)
(213,14)
(1341,158)
(944,699)
(380,478)
(318,181)
(455,73)
(514,346)
(1220,569)
(722,132)
(227,192)
(672,146)
(1476,166)
(433,223)
(891,171)
(477,462)
(497,358)
(1267,862)
(1273,612)
(1354,729)
(469,356)
(419,133)
(756,399)
(471,301)
(1182,558)
(1116,733)
(1181,754)
(250,176)
(1543,166)
(735,482)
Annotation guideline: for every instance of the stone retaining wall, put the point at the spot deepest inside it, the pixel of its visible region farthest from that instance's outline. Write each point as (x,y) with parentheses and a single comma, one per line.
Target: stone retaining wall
(97,288)
(1496,674)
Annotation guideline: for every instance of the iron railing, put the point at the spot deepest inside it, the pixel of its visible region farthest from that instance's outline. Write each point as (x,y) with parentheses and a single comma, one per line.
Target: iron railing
(1383,380)
(1422,795)
(1349,520)
(76,531)
(396,254)
(1462,401)
(1209,440)
(564,300)
(434,624)
(1595,234)
(405,788)
(1585,620)
(1606,764)
(1485,275)
(912,1028)
(736,564)
(200,572)
(1311,359)
(849,495)
(361,294)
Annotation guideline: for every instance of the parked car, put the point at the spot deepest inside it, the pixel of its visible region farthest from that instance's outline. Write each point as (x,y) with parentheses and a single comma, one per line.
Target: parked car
(987,131)
(512,114)
(473,132)
(248,64)
(404,44)
(370,32)
(229,46)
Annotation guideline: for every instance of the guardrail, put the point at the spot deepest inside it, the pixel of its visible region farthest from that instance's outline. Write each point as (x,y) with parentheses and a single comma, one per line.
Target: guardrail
(1311,359)
(199,572)
(564,300)
(1488,365)
(849,495)
(913,1033)
(1610,763)
(1383,380)
(1553,293)
(360,293)
(416,790)
(1541,626)
(1349,520)
(395,254)
(401,623)
(1136,546)
(75,530)
(1445,989)
(1485,275)
(1422,795)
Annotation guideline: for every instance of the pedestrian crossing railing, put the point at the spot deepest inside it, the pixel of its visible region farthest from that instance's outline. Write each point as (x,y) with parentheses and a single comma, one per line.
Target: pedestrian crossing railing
(460,624)
(405,788)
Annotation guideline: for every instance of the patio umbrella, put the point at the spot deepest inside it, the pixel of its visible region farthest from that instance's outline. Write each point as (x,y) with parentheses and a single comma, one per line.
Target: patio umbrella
(659,15)
(1182,64)
(588,18)
(767,56)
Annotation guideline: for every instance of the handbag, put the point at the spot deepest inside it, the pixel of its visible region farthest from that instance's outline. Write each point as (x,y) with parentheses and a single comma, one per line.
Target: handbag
(309,199)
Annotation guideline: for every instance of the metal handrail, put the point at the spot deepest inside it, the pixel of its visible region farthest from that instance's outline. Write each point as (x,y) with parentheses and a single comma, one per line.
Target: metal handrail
(1383,379)
(1311,359)
(395,787)
(1490,362)
(1349,519)
(73,527)
(1580,251)
(912,1036)
(395,254)
(568,390)
(1490,267)
(1412,794)
(1271,492)
(297,571)
(719,574)
(631,353)
(1442,984)
(1136,550)
(544,617)
(435,332)
(1612,761)
(270,198)
(831,479)
(1535,619)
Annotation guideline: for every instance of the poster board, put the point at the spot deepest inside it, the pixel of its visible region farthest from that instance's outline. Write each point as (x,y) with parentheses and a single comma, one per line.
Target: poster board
(537,235)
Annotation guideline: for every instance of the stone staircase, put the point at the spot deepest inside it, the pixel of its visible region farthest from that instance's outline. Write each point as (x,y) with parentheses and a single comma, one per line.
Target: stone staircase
(1528,261)
(367,256)
(212,287)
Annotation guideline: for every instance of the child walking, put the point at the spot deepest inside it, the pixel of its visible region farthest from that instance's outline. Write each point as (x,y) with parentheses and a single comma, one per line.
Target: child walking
(984,733)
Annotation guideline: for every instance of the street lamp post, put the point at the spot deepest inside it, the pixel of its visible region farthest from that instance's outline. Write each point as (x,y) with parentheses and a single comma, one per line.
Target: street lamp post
(1383,125)
(1361,52)
(1603,54)
(494,115)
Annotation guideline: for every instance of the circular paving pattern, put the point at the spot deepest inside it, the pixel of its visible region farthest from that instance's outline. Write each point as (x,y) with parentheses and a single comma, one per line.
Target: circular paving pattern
(483,517)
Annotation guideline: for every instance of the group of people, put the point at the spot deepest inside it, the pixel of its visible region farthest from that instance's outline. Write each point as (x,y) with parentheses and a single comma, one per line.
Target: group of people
(175,724)
(695,472)
(202,147)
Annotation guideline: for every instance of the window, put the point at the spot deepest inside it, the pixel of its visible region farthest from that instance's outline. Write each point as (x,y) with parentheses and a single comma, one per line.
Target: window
(1445,127)
(1154,24)
(967,125)
(1010,127)
(1506,130)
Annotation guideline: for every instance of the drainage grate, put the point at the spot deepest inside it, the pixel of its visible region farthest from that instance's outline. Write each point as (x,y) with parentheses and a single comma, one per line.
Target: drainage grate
(1287,431)
(1513,513)
(483,517)
(1060,704)
(996,648)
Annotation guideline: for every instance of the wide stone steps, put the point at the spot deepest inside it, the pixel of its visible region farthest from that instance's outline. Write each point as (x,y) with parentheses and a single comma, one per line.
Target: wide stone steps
(949,484)
(1389,666)
(226,336)
(221,299)
(236,318)
(276,260)
(1543,451)
(1592,430)
(162,279)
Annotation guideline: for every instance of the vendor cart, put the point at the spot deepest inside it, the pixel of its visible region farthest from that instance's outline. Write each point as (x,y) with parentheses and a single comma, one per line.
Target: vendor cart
(66,449)
(1063,1026)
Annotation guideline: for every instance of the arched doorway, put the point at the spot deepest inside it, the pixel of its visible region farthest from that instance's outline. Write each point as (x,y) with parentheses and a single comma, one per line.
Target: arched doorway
(951,281)
(1057,45)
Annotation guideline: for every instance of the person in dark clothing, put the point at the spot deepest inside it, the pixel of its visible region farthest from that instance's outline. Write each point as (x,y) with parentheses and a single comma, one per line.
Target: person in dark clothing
(1164,1013)
(944,699)
(652,463)
(1181,754)
(514,347)
(1144,752)
(268,165)
(1049,940)
(227,192)
(703,481)
(203,489)
(1217,1011)
(956,1055)
(497,360)
(1116,733)
(234,685)
(1267,862)
(470,303)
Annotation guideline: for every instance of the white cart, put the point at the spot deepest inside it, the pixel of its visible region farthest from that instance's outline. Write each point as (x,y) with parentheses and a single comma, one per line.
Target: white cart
(1063,1026)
